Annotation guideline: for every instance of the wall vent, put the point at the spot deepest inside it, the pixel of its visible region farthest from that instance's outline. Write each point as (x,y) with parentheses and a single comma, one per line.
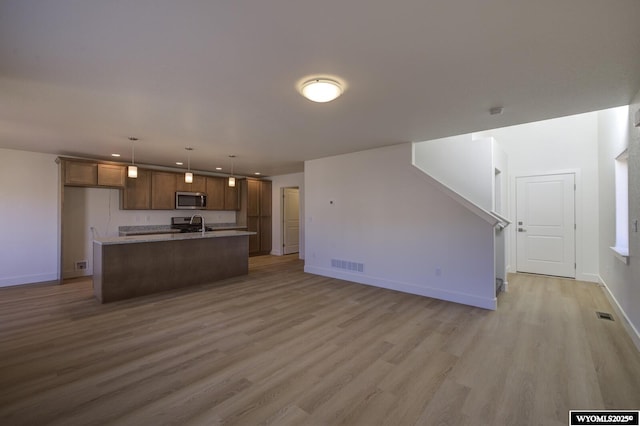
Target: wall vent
(347,265)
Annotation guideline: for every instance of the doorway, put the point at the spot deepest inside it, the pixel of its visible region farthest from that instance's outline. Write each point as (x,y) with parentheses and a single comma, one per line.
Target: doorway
(545,225)
(290,220)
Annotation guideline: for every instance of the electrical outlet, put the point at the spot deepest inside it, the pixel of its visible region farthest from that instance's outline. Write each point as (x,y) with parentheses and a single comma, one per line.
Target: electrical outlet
(81,265)
(438,272)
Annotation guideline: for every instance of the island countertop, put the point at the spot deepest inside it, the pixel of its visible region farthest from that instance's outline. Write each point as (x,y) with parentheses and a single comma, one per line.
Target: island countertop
(149,238)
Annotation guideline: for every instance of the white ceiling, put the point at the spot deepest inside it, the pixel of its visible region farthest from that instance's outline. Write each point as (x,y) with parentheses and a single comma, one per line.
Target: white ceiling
(80,77)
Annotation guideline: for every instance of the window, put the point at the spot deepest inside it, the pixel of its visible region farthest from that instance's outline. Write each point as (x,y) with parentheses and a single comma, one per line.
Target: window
(622,206)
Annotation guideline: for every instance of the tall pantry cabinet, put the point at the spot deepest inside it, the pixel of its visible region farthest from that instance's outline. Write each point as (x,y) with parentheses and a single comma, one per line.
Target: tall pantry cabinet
(258,207)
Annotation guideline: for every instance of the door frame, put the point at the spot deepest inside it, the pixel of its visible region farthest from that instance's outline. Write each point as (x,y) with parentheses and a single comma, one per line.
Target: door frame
(578,211)
(282,224)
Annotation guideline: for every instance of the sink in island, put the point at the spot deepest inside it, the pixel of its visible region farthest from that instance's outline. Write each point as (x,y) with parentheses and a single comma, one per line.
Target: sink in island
(138,265)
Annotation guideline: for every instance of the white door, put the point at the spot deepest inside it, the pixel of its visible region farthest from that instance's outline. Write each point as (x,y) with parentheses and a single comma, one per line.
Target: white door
(545,225)
(291,220)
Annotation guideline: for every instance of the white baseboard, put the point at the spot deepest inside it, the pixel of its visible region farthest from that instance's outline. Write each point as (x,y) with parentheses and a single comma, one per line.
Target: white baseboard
(629,327)
(436,293)
(592,278)
(28,279)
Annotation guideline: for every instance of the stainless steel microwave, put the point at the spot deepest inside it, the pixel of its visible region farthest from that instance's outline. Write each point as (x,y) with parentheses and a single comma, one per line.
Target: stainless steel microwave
(191,200)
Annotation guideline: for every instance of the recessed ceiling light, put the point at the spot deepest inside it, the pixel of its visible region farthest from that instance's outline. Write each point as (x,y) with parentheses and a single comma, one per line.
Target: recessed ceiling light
(218,168)
(321,89)
(115,155)
(179,163)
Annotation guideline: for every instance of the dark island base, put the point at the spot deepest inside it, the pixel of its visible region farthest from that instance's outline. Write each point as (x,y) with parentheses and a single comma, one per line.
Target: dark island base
(123,271)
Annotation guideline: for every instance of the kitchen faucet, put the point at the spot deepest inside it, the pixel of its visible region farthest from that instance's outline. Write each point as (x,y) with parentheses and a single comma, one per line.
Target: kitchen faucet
(201,221)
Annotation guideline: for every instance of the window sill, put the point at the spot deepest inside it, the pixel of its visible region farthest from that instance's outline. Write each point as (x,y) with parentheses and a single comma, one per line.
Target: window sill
(622,253)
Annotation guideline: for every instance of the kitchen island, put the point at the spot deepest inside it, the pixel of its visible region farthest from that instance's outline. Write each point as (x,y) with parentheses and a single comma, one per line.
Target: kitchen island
(131,266)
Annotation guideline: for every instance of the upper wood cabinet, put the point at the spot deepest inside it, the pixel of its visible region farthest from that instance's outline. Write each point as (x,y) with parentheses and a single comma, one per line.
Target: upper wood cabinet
(90,173)
(137,192)
(163,190)
(265,198)
(199,184)
(81,173)
(215,193)
(111,175)
(253,197)
(231,196)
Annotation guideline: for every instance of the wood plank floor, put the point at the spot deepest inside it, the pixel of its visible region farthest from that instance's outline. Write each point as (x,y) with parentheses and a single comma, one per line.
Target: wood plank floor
(286,348)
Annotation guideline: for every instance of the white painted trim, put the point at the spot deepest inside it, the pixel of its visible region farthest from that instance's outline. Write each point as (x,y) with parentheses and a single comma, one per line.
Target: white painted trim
(450,296)
(622,254)
(628,326)
(592,278)
(28,279)
(276,252)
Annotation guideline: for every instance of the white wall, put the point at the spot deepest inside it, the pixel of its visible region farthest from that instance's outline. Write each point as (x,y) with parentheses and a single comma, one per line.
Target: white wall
(461,163)
(567,144)
(28,217)
(615,134)
(100,208)
(374,207)
(278,183)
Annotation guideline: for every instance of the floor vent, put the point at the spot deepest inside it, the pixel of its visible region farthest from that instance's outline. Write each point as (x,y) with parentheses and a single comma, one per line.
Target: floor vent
(604,315)
(346,265)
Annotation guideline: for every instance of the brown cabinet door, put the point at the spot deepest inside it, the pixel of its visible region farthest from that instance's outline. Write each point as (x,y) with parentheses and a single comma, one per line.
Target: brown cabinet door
(253,225)
(232,196)
(111,175)
(198,184)
(265,234)
(163,190)
(253,197)
(265,198)
(215,193)
(137,192)
(80,173)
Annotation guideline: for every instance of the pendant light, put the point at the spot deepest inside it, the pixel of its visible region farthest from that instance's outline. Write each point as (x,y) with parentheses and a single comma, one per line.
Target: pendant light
(232,179)
(132,170)
(188,176)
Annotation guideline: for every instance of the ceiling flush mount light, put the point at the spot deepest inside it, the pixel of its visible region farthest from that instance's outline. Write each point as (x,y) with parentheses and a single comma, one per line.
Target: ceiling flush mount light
(232,179)
(321,89)
(188,176)
(115,155)
(132,170)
